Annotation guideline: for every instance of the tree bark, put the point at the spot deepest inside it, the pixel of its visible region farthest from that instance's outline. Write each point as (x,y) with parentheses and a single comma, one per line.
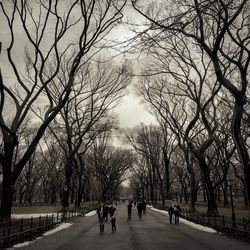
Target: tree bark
(67,187)
(193,192)
(192,180)
(210,192)
(7,184)
(240,145)
(7,194)
(167,174)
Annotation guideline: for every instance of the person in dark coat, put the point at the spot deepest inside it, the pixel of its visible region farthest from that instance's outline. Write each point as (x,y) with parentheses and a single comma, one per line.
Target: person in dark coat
(129,210)
(105,212)
(139,209)
(112,213)
(170,213)
(177,210)
(101,217)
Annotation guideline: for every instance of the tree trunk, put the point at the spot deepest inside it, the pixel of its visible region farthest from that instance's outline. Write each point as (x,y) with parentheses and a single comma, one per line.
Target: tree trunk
(240,145)
(73,192)
(192,181)
(53,195)
(212,209)
(167,174)
(78,192)
(7,194)
(225,193)
(152,193)
(67,186)
(204,194)
(193,192)
(20,194)
(162,194)
(147,192)
(7,183)
(211,199)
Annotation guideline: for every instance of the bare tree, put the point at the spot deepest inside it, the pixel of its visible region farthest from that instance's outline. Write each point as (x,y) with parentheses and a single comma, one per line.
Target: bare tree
(148,142)
(48,28)
(26,183)
(181,89)
(109,165)
(139,179)
(50,169)
(221,29)
(97,90)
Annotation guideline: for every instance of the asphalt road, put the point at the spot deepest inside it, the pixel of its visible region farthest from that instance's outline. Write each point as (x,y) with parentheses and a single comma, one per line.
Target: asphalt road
(153,232)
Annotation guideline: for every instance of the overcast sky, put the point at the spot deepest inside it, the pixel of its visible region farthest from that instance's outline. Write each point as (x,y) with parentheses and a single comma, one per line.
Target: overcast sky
(131,112)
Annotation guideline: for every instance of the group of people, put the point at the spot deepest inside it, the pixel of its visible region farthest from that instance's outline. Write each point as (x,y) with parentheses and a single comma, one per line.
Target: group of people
(141,209)
(174,210)
(103,212)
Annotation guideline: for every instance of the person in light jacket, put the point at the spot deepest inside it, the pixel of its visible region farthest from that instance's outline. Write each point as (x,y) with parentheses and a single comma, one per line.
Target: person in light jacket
(113,213)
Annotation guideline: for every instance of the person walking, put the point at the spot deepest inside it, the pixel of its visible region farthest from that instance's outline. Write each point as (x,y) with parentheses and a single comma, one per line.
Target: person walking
(129,210)
(177,210)
(170,213)
(101,217)
(139,209)
(105,212)
(113,213)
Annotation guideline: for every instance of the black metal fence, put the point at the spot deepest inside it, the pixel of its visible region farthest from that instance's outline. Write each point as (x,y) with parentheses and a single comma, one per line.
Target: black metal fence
(237,228)
(19,230)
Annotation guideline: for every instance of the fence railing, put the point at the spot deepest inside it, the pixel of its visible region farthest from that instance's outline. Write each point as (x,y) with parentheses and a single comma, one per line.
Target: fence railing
(238,228)
(19,230)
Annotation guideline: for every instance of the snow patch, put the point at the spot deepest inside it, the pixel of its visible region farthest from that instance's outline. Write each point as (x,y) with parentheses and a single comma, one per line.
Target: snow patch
(24,244)
(27,243)
(28,216)
(189,223)
(197,226)
(61,227)
(91,213)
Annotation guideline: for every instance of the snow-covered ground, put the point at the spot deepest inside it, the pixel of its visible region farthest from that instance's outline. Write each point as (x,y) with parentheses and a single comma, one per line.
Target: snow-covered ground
(27,216)
(91,213)
(60,227)
(189,223)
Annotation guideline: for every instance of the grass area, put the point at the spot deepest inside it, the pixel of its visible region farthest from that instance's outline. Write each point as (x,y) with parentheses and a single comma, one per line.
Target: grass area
(36,209)
(200,207)
(226,211)
(44,209)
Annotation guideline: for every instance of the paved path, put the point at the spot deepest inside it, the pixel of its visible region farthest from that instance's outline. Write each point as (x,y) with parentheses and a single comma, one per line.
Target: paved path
(152,233)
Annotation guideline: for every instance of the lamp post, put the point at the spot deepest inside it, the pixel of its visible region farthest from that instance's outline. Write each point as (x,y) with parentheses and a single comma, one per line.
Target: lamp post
(232,203)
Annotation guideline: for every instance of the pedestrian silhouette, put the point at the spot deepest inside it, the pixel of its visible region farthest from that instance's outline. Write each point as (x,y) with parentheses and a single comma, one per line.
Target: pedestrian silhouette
(113,213)
(129,210)
(177,210)
(105,211)
(100,213)
(139,209)
(170,213)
